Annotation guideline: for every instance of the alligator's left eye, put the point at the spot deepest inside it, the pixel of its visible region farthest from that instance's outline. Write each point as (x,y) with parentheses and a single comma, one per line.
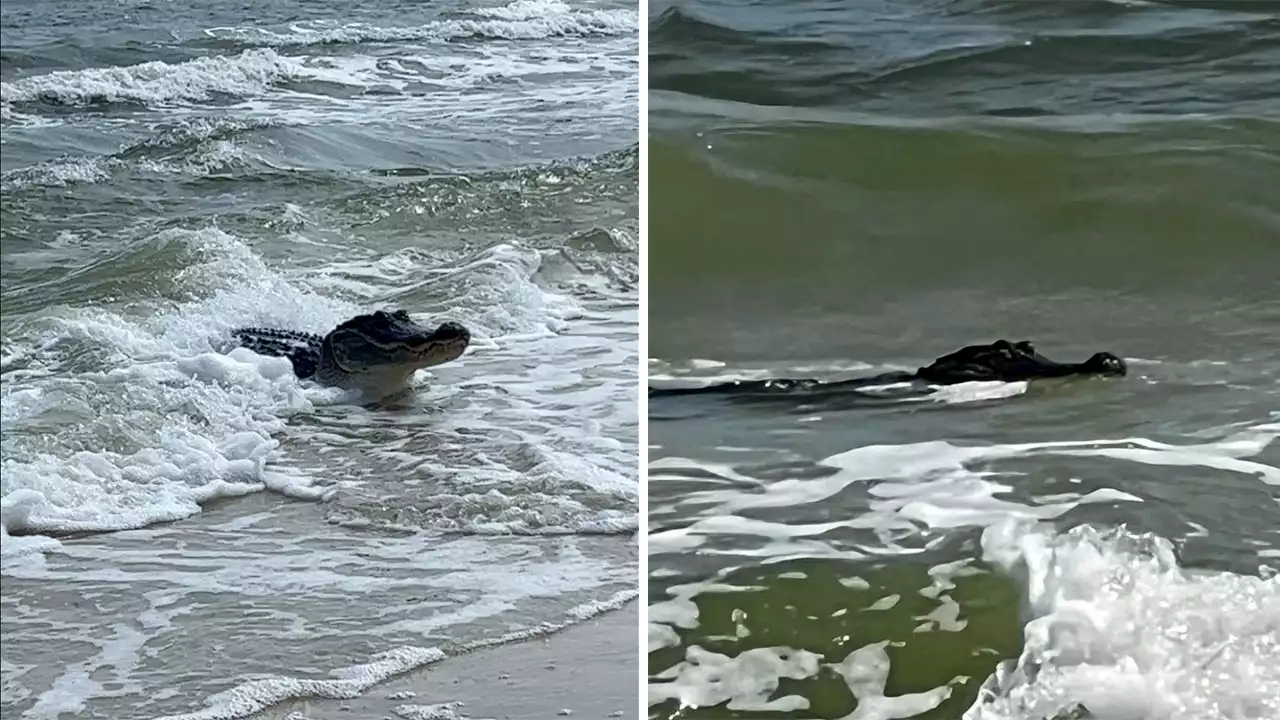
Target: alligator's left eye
(401,315)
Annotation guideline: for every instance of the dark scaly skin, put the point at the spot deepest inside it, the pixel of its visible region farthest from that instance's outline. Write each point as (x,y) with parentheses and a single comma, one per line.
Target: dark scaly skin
(302,348)
(998,361)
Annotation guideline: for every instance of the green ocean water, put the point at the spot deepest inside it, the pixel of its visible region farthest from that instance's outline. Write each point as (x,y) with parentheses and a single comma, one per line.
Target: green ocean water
(839,189)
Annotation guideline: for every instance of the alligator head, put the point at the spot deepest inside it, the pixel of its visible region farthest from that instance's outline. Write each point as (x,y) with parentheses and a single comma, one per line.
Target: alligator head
(385,348)
(1006,361)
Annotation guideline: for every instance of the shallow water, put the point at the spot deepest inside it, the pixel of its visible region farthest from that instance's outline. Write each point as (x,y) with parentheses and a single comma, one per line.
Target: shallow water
(838,191)
(190,531)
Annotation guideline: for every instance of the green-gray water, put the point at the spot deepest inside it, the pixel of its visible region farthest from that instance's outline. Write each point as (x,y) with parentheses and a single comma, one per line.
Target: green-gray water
(187,529)
(842,188)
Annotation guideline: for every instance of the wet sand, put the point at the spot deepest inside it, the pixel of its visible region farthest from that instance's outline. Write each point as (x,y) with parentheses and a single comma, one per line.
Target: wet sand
(588,671)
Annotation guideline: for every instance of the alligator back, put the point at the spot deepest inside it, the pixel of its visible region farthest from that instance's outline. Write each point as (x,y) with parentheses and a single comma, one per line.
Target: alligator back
(302,349)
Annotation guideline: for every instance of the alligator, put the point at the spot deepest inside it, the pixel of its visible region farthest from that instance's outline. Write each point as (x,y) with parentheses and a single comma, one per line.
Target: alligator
(998,361)
(376,353)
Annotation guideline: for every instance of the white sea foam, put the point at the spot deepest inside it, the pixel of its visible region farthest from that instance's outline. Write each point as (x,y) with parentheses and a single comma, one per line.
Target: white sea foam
(57,173)
(520,20)
(929,482)
(434,711)
(1115,624)
(181,423)
(744,682)
(256,695)
(1118,627)
(249,73)
(866,672)
(268,87)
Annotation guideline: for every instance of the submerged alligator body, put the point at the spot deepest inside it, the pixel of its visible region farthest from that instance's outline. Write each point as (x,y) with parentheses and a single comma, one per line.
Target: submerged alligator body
(375,353)
(998,361)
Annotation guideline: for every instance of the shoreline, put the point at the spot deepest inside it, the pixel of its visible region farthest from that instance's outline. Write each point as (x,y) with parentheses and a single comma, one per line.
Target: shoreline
(590,670)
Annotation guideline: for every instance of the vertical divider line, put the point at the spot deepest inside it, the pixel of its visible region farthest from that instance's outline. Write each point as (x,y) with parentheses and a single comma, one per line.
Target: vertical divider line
(642,403)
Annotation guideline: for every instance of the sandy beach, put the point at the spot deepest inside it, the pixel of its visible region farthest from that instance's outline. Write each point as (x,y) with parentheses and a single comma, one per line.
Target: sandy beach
(587,671)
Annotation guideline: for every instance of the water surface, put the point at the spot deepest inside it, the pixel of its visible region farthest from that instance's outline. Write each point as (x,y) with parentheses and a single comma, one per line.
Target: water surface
(839,190)
(188,530)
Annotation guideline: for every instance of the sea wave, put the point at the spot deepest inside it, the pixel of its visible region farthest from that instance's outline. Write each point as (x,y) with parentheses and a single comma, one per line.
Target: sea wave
(520,20)
(246,74)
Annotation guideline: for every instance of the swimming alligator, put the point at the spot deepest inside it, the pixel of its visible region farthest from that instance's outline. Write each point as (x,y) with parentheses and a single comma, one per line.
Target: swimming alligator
(376,353)
(998,361)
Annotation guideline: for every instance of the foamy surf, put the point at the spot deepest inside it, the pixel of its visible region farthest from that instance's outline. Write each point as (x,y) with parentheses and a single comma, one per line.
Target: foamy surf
(1118,629)
(200,424)
(252,697)
(249,73)
(205,419)
(450,79)
(520,20)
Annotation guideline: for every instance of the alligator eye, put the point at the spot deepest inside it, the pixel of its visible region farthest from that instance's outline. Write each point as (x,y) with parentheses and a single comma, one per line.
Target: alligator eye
(401,315)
